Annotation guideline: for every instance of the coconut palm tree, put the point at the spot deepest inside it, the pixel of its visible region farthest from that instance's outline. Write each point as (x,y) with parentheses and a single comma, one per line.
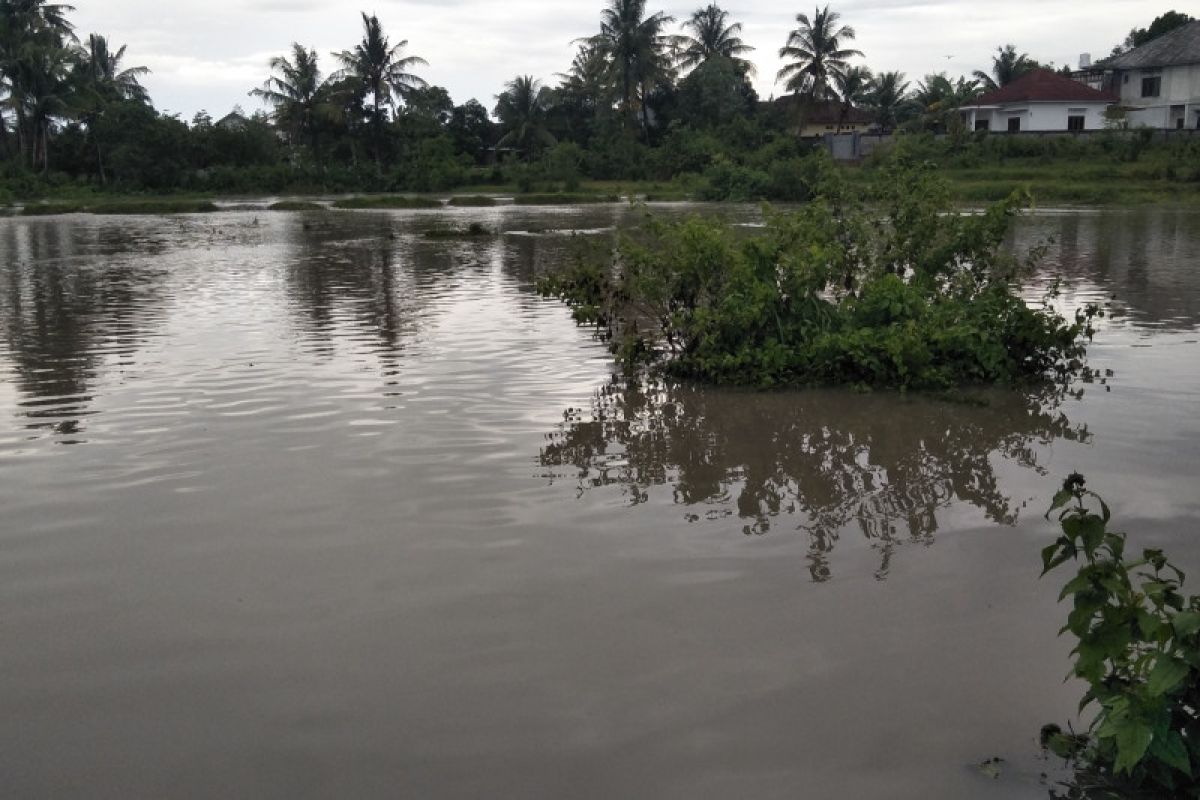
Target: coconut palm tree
(588,76)
(888,98)
(295,92)
(99,81)
(815,53)
(35,36)
(853,85)
(1007,66)
(584,93)
(940,97)
(636,47)
(381,68)
(521,108)
(381,72)
(47,93)
(101,73)
(712,35)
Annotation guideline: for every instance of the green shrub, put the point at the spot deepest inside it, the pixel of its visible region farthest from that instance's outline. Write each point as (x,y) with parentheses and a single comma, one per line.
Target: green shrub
(387,201)
(883,286)
(1138,651)
(473,201)
(158,206)
(564,199)
(296,205)
(726,180)
(51,209)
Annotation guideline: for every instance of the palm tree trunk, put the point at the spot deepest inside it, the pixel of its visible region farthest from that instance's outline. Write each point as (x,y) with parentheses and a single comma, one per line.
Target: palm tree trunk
(377,127)
(628,94)
(23,143)
(100,164)
(44,139)
(645,115)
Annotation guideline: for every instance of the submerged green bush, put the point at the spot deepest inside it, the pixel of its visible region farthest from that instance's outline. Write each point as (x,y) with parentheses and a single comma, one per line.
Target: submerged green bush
(473,201)
(885,286)
(296,205)
(387,201)
(1138,652)
(51,209)
(564,199)
(125,206)
(153,206)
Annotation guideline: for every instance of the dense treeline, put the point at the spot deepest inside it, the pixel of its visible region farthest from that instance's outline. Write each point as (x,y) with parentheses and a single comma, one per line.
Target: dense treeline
(646,98)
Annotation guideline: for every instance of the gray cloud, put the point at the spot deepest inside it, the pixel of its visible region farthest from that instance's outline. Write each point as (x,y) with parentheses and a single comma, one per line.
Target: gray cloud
(209,53)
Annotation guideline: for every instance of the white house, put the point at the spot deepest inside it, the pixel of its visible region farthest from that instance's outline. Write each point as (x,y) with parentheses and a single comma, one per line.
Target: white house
(1158,83)
(1040,100)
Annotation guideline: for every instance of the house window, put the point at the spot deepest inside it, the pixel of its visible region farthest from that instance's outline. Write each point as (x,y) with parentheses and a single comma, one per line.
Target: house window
(1076,122)
(1014,124)
(982,124)
(1152,87)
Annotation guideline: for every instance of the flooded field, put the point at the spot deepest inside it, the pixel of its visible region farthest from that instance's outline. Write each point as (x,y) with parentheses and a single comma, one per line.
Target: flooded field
(316,505)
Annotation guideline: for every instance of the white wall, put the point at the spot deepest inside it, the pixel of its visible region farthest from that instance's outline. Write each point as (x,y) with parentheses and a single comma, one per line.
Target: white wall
(1045,116)
(1180,87)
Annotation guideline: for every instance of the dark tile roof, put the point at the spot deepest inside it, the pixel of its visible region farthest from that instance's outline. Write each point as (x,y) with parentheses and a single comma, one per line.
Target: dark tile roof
(1180,46)
(1042,85)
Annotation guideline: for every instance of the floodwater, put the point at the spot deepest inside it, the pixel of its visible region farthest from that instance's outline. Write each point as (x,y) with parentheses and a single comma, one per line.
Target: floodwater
(311,505)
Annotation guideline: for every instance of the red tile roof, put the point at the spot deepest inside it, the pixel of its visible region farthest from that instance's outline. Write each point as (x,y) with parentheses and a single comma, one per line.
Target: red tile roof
(1043,85)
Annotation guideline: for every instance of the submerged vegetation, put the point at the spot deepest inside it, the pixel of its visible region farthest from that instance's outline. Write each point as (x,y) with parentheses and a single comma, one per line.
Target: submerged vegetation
(880,285)
(1138,652)
(130,206)
(387,201)
(296,205)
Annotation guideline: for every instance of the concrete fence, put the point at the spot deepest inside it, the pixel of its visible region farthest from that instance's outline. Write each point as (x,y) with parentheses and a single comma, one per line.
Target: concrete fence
(857,146)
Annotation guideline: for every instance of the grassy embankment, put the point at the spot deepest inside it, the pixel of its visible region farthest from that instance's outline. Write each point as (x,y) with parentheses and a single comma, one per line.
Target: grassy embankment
(1063,180)
(1073,183)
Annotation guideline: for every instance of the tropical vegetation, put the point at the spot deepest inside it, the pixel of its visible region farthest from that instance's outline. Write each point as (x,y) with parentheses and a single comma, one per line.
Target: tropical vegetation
(1137,651)
(649,103)
(879,287)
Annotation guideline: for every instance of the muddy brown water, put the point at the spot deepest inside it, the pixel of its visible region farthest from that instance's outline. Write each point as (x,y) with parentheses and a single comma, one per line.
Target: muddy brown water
(311,505)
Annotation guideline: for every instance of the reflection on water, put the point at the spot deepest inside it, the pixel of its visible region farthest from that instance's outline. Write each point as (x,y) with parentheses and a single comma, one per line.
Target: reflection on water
(66,317)
(824,462)
(1144,259)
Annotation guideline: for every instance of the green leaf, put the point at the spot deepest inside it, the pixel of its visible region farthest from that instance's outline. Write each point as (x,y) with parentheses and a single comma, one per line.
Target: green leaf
(1092,530)
(1186,623)
(1079,583)
(1057,554)
(1133,740)
(1060,500)
(1166,675)
(1171,749)
(1148,624)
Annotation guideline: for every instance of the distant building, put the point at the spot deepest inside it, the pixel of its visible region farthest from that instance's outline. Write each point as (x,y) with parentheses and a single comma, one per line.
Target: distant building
(234,121)
(815,118)
(1158,83)
(1041,100)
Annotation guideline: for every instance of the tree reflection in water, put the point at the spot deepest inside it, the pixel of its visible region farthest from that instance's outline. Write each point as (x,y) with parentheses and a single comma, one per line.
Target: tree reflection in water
(885,464)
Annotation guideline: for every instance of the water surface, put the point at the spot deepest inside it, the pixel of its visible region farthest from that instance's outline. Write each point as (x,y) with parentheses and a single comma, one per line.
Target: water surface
(314,505)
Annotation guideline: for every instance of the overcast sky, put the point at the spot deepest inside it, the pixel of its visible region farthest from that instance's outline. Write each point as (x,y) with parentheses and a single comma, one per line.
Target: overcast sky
(207,54)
